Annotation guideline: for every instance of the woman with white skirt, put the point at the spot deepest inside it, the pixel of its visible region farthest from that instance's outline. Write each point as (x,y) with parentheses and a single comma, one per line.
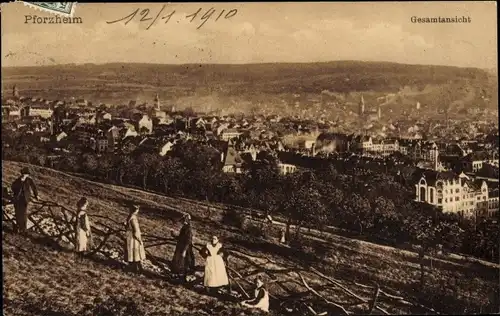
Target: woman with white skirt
(215,268)
(82,229)
(261,297)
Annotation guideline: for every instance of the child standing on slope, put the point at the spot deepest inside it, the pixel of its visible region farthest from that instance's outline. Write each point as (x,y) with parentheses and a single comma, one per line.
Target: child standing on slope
(82,227)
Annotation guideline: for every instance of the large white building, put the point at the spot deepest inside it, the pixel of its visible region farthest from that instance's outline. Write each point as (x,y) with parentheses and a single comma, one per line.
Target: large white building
(229,134)
(286,168)
(452,192)
(44,112)
(382,147)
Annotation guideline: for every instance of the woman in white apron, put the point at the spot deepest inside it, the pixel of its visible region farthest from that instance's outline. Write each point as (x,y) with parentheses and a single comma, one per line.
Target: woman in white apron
(215,268)
(261,298)
(82,229)
(134,247)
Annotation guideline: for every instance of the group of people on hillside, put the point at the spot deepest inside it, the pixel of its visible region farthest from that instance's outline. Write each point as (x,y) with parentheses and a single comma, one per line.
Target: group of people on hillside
(182,264)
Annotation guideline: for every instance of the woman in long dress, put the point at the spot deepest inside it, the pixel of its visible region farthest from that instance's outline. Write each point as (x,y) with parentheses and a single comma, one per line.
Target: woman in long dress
(215,268)
(134,247)
(82,229)
(183,260)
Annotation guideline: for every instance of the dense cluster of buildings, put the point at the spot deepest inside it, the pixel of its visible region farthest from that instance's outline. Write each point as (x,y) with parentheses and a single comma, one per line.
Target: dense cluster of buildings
(460,176)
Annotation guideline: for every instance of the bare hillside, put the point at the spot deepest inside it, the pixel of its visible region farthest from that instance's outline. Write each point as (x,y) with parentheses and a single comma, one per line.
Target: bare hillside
(337,270)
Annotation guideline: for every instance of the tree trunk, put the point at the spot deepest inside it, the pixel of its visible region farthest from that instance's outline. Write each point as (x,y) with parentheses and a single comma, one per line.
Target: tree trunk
(422,268)
(287,230)
(165,185)
(422,275)
(145,179)
(297,231)
(209,210)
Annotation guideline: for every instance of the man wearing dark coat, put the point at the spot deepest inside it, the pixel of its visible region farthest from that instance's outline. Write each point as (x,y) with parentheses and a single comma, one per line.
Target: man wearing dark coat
(183,261)
(22,189)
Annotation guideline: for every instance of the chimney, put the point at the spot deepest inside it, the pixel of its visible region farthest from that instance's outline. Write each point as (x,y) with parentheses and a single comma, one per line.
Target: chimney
(157,100)
(15,91)
(51,125)
(436,160)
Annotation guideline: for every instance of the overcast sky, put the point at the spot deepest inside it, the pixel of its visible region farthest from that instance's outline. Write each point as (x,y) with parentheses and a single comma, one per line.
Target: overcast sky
(259,32)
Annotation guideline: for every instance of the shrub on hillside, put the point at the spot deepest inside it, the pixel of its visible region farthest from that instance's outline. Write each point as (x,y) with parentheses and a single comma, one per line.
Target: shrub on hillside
(233,218)
(297,243)
(113,306)
(256,230)
(320,249)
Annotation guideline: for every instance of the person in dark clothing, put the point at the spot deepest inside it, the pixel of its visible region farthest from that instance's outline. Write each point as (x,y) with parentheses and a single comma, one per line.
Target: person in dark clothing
(22,190)
(183,261)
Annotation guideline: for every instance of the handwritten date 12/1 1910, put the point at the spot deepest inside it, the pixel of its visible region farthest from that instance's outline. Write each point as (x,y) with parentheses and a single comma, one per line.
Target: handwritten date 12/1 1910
(145,16)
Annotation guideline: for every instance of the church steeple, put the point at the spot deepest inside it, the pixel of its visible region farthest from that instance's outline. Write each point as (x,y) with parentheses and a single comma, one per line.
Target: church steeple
(361,105)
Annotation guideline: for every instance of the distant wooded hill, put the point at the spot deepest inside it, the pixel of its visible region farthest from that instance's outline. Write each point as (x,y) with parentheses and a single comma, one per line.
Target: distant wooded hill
(249,81)
(338,76)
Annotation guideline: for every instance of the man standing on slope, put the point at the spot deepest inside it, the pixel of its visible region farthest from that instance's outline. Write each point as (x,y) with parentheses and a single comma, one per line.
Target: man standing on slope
(21,189)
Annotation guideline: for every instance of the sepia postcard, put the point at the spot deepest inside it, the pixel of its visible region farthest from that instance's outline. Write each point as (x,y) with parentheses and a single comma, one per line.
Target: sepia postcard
(300,158)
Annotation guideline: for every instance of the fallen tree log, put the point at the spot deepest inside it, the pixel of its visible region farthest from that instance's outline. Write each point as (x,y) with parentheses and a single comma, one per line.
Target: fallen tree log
(339,307)
(280,277)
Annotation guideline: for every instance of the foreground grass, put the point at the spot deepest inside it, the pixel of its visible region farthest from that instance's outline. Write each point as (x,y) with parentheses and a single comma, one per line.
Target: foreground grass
(39,280)
(456,286)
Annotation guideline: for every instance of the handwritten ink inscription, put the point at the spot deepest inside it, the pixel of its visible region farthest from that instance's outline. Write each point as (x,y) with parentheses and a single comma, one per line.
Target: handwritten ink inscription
(145,15)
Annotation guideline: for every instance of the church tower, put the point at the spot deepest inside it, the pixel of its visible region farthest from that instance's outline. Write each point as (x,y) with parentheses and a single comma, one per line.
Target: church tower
(379,112)
(362,106)
(157,100)
(15,92)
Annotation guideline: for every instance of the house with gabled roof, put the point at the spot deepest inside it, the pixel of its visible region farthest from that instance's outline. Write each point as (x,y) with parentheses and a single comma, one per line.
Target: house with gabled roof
(160,146)
(232,161)
(451,192)
(222,127)
(145,125)
(474,162)
(166,147)
(230,134)
(129,144)
(287,162)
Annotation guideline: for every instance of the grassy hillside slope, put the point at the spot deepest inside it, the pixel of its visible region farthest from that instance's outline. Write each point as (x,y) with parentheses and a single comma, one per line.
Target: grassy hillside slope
(454,286)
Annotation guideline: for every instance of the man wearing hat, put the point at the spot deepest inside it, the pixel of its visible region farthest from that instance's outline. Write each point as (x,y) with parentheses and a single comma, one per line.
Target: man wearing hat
(22,189)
